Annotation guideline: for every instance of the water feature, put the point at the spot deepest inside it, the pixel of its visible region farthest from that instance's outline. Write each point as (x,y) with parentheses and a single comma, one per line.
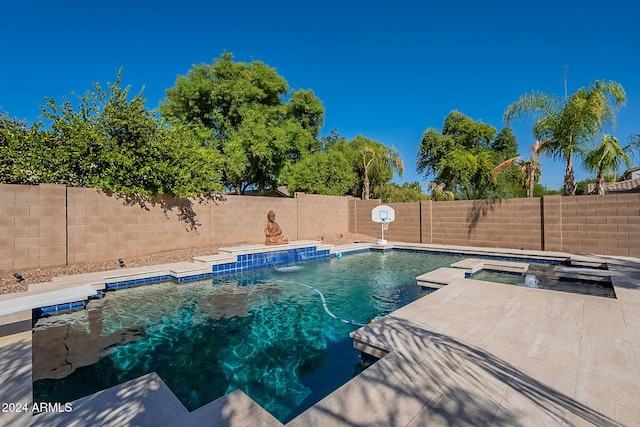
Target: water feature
(293,257)
(542,276)
(531,281)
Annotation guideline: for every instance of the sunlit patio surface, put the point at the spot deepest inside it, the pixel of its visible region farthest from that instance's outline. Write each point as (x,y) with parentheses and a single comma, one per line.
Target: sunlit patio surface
(471,353)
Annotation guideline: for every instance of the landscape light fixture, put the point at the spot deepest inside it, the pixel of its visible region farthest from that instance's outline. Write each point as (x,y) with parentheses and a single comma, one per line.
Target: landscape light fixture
(121,262)
(18,277)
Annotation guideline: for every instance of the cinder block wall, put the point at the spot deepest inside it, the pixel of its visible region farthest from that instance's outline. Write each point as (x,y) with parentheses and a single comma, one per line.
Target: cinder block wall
(320,215)
(33,230)
(510,223)
(406,227)
(507,223)
(607,225)
(361,210)
(552,223)
(241,219)
(103,227)
(51,225)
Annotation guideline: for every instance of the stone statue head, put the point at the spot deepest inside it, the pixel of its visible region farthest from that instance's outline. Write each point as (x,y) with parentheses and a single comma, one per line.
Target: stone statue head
(271,216)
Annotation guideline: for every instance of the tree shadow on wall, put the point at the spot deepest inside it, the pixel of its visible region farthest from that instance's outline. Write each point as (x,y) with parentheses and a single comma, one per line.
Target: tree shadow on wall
(479,210)
(183,208)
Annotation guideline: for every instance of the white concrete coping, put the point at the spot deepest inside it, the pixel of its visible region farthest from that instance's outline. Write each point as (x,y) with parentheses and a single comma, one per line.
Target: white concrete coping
(298,244)
(440,277)
(210,260)
(472,250)
(473,265)
(45,299)
(180,269)
(350,247)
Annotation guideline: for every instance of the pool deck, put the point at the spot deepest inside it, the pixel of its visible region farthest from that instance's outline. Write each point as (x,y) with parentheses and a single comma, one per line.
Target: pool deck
(471,353)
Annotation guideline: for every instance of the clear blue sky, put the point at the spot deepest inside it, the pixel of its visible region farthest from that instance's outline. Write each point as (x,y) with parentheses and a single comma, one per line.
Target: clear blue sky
(385,69)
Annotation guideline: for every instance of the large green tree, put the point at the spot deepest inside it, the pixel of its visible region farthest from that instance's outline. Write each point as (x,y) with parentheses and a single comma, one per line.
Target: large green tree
(342,167)
(463,155)
(566,125)
(330,173)
(329,170)
(110,140)
(23,157)
(505,144)
(253,121)
(393,193)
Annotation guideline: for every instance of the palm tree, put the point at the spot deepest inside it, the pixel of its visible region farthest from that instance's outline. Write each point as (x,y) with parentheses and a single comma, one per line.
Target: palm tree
(564,126)
(531,174)
(530,168)
(607,157)
(439,193)
(378,163)
(368,156)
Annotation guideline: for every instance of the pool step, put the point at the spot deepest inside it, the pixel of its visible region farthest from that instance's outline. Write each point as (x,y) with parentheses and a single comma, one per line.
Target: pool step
(590,274)
(440,277)
(473,265)
(587,261)
(210,260)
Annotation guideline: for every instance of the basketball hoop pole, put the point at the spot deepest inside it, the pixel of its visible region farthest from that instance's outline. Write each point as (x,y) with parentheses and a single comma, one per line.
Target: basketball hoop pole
(382,223)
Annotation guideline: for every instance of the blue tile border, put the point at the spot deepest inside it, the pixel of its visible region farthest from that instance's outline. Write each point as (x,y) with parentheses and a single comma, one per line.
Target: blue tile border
(351,252)
(247,262)
(193,278)
(62,307)
(138,282)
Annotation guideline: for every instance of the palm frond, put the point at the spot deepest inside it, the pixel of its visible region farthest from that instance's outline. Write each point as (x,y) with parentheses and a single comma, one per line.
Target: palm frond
(503,167)
(608,156)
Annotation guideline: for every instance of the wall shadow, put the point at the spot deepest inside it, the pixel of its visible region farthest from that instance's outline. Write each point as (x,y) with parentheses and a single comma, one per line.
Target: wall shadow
(183,208)
(478,210)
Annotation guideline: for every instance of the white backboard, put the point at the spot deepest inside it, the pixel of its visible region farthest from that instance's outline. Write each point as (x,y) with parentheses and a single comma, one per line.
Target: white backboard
(383,214)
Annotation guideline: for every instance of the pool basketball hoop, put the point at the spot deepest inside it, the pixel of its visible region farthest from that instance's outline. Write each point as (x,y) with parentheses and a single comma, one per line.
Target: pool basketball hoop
(383,215)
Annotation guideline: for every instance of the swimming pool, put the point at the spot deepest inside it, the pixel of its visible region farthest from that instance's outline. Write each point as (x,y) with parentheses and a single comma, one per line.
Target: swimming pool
(259,331)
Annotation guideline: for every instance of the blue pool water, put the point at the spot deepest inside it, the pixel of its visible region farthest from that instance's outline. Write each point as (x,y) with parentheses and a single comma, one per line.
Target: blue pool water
(257,331)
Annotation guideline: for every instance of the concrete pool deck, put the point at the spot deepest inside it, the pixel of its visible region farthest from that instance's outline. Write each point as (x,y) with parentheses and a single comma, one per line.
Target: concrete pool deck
(471,353)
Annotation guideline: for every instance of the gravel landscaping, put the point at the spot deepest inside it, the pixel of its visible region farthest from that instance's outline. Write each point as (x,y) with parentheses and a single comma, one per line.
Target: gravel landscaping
(40,275)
